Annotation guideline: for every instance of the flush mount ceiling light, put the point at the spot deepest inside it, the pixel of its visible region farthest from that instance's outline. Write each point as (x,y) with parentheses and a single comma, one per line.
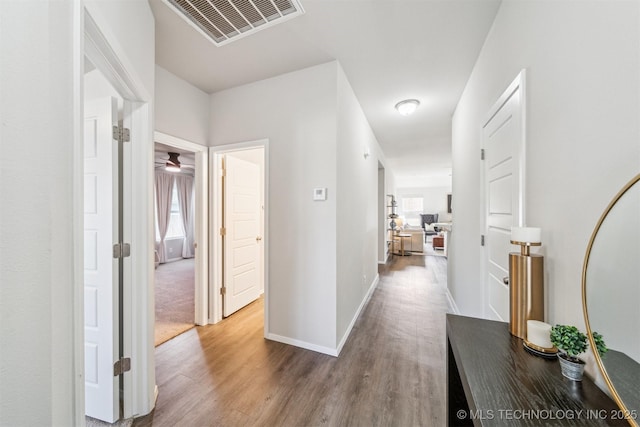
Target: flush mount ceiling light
(173,164)
(407,107)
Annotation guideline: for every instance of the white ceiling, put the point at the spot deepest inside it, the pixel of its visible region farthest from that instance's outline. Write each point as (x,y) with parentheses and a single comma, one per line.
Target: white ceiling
(390,50)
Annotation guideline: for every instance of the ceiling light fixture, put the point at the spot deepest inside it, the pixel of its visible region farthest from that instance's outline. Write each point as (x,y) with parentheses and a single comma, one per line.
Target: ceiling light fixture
(407,107)
(173,164)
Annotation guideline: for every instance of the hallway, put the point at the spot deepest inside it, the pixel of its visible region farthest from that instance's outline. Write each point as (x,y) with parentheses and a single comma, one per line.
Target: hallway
(391,371)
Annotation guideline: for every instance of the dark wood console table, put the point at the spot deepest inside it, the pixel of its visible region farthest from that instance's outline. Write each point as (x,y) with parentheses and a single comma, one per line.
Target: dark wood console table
(493,381)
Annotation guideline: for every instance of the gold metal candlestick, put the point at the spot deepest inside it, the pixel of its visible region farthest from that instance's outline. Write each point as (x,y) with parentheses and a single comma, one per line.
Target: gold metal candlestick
(526,288)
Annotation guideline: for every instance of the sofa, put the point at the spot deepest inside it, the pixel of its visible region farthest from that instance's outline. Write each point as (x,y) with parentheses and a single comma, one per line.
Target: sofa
(413,244)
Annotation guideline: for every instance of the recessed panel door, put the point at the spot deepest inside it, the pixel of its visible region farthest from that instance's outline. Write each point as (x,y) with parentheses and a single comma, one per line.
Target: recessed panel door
(502,138)
(243,281)
(100,267)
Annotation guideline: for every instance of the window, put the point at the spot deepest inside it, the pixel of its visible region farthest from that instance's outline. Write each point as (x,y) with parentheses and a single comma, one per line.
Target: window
(412,205)
(175,229)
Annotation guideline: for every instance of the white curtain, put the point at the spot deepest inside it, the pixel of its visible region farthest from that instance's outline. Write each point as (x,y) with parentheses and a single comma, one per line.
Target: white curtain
(164,191)
(184,185)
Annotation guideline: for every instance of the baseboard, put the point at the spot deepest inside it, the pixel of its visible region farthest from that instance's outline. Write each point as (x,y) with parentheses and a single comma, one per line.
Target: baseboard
(328,350)
(452,303)
(303,344)
(363,304)
(386,258)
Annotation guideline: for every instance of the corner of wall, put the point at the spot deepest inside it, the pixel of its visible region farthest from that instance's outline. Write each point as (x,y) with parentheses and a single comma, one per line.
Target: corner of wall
(297,113)
(357,206)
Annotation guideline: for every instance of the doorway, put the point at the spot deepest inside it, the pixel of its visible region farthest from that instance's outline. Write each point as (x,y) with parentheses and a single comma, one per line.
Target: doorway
(503,154)
(181,234)
(124,368)
(239,212)
(174,259)
(382,216)
(103,225)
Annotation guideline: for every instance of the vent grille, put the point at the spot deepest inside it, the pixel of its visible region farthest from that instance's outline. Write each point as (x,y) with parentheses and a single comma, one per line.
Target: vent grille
(223,21)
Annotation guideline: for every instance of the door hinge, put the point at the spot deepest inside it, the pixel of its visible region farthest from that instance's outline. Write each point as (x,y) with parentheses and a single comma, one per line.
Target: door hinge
(121,250)
(223,290)
(121,134)
(121,366)
(482,154)
(482,240)
(223,172)
(223,231)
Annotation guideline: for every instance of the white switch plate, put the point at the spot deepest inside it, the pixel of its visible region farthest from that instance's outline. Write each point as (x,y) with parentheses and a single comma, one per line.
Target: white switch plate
(319,194)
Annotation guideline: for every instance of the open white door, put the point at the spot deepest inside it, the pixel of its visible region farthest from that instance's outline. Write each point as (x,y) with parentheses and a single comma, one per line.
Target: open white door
(503,142)
(242,215)
(100,267)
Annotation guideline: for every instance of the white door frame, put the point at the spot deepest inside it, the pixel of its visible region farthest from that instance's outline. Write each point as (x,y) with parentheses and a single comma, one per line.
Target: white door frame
(383,251)
(140,390)
(519,83)
(201,234)
(215,209)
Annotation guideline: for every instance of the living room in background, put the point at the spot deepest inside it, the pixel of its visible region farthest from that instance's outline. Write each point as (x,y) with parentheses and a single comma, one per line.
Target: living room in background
(434,201)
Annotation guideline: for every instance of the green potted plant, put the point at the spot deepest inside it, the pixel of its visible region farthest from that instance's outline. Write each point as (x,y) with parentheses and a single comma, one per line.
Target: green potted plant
(570,343)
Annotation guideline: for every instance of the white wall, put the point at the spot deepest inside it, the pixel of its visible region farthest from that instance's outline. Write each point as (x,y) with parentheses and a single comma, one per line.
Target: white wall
(129,27)
(357,207)
(36,213)
(181,109)
(40,108)
(582,135)
(297,113)
(173,248)
(96,86)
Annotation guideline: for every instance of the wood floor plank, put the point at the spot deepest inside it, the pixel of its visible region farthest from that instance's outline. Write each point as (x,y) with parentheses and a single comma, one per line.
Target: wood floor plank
(391,371)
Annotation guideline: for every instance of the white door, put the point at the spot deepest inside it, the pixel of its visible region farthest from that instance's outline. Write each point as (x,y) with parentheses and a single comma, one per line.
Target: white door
(243,282)
(503,143)
(100,268)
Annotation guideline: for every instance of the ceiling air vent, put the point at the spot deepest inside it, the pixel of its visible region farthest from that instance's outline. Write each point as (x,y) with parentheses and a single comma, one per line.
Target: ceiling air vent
(224,21)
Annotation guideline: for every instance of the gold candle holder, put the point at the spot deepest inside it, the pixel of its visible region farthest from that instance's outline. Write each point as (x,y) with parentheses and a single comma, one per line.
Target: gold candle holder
(526,288)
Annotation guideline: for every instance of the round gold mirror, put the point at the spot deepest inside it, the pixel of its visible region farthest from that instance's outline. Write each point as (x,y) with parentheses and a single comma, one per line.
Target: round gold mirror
(611,296)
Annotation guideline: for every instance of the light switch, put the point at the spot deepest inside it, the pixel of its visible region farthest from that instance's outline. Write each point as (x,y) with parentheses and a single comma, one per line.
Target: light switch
(319,194)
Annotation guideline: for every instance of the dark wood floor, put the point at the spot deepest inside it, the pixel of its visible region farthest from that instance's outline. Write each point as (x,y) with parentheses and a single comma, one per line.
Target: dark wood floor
(391,371)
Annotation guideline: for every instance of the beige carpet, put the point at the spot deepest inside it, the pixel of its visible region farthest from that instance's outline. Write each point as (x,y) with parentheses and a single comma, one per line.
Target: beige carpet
(175,282)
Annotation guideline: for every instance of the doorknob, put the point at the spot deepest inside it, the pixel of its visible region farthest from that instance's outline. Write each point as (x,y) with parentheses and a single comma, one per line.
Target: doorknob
(505,280)
(258,238)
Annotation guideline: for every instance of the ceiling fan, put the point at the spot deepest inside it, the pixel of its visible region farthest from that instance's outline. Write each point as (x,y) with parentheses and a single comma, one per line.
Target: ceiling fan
(173,164)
